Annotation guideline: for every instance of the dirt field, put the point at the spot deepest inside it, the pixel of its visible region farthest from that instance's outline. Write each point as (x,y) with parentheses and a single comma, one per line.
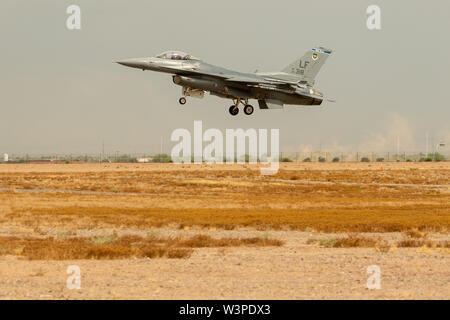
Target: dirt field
(169,231)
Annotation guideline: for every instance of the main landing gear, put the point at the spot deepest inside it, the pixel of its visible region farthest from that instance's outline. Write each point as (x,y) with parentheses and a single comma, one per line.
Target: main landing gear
(234,109)
(248,109)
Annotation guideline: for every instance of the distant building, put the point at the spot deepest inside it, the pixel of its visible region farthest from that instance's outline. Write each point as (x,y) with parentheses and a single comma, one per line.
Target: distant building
(5,157)
(144,160)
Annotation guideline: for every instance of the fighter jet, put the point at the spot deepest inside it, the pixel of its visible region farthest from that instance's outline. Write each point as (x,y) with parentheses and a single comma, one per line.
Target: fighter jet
(291,86)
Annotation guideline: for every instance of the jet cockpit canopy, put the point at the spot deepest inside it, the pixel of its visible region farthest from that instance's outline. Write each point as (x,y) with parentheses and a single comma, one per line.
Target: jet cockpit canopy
(176,55)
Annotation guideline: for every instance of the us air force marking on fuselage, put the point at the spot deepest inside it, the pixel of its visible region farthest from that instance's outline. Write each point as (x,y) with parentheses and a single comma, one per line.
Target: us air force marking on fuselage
(291,86)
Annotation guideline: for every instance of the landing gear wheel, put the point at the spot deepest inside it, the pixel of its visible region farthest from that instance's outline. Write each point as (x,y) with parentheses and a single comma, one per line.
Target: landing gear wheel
(182,100)
(234,110)
(248,109)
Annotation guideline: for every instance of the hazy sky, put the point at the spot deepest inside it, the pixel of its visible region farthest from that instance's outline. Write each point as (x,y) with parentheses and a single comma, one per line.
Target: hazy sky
(62,93)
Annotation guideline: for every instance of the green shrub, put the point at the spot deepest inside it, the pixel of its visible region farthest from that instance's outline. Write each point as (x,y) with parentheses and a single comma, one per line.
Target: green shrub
(329,243)
(437,157)
(124,158)
(161,158)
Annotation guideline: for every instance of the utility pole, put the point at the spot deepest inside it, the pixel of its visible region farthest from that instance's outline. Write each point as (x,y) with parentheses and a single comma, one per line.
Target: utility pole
(103,151)
(440,144)
(426,144)
(161,151)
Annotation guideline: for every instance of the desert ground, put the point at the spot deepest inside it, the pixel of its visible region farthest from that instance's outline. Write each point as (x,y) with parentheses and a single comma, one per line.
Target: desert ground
(187,231)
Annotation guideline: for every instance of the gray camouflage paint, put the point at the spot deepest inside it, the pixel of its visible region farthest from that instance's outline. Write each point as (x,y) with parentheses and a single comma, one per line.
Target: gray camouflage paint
(292,86)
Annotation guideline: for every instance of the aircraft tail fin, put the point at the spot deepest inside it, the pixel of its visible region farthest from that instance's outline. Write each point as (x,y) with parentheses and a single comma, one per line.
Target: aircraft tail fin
(307,67)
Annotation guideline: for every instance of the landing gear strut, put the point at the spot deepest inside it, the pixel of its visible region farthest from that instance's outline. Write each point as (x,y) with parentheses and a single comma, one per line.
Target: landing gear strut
(182,100)
(234,109)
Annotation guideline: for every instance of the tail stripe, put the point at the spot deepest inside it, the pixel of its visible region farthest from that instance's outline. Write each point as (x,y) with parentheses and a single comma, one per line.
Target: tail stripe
(321,51)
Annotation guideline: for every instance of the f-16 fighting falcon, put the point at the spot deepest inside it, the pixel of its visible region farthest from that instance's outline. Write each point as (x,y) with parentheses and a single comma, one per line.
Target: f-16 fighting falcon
(292,86)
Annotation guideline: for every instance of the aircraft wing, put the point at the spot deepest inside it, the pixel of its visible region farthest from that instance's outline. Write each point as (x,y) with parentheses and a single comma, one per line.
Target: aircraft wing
(241,79)
(248,80)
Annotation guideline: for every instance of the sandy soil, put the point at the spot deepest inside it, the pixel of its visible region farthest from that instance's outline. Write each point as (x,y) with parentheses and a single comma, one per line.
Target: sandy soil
(294,271)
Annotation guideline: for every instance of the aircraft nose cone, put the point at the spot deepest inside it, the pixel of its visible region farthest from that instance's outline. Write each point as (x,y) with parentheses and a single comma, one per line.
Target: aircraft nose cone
(127,62)
(133,63)
(122,62)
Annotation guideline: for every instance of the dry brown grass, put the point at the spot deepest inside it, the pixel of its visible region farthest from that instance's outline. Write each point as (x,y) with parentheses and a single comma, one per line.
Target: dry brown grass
(118,247)
(357,241)
(351,241)
(103,176)
(203,241)
(326,220)
(415,233)
(203,178)
(85,248)
(229,197)
(416,243)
